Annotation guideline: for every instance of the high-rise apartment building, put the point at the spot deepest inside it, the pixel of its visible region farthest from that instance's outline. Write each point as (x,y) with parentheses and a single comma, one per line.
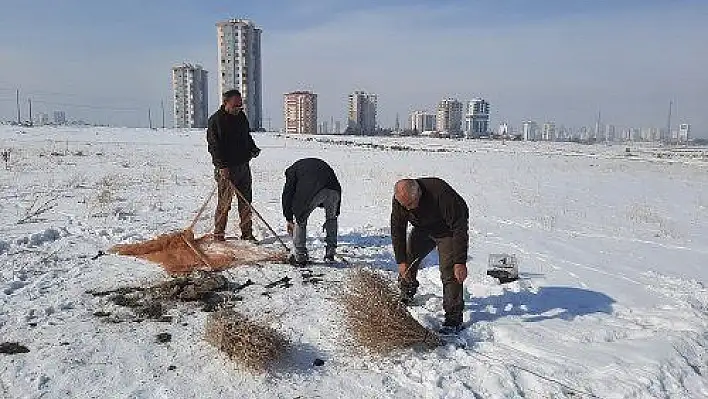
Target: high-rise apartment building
(422,121)
(529,131)
(477,118)
(549,131)
(300,112)
(362,112)
(59,117)
(190,91)
(684,133)
(449,116)
(240,65)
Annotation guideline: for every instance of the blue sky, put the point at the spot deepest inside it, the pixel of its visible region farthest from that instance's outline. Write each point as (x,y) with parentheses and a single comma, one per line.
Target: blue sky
(556,60)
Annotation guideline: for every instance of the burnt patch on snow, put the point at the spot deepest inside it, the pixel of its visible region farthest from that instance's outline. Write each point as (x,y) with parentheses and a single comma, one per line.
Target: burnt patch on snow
(154,302)
(13,348)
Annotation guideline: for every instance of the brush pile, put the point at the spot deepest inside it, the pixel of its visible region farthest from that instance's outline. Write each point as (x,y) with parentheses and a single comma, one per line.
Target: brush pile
(376,318)
(253,345)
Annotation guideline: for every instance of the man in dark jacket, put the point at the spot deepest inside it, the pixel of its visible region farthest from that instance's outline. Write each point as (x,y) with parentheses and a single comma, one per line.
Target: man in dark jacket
(311,183)
(440,218)
(232,147)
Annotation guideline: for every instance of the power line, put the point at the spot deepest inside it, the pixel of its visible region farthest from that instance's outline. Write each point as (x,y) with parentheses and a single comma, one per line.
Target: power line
(88,106)
(19,116)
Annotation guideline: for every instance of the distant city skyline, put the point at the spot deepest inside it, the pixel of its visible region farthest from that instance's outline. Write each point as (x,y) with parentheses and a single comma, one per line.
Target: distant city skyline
(547,60)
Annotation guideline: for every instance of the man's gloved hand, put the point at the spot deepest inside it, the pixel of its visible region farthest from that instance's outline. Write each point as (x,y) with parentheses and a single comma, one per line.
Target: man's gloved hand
(291,228)
(224,173)
(255,153)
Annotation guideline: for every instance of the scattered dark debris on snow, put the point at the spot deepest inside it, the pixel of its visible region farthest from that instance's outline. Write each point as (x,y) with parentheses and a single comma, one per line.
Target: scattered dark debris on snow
(172,367)
(309,277)
(164,337)
(101,313)
(210,290)
(12,348)
(282,283)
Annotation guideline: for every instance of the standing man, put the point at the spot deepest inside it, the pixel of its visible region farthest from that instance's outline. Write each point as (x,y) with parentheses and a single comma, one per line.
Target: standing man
(311,183)
(440,218)
(232,148)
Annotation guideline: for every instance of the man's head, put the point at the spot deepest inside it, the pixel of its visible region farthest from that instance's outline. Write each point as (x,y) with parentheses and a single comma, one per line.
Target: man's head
(407,192)
(232,101)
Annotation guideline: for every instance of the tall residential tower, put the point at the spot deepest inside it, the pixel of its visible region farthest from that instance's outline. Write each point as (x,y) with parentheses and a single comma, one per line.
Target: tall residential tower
(449,117)
(477,118)
(240,65)
(300,112)
(190,94)
(362,113)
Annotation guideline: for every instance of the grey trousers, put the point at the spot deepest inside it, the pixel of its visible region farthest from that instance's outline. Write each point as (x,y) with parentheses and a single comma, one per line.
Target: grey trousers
(329,200)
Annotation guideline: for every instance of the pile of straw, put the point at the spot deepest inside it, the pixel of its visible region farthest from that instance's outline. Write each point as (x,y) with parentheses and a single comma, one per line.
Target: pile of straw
(255,346)
(377,319)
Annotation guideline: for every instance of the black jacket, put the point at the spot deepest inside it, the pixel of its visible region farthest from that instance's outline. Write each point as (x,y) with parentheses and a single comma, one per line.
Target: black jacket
(442,212)
(229,139)
(303,180)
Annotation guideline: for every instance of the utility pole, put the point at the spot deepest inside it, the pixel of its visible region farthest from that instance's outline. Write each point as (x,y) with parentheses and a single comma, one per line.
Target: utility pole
(31,122)
(668,122)
(162,105)
(19,116)
(150,118)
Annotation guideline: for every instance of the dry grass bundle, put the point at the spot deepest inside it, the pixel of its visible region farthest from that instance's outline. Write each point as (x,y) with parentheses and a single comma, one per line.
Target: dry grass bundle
(377,319)
(182,253)
(255,346)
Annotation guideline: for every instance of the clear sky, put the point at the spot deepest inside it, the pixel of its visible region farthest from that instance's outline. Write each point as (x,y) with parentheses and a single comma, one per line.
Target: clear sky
(558,60)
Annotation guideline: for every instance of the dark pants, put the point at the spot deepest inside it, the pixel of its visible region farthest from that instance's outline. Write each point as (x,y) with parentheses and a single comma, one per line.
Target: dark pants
(420,244)
(239,178)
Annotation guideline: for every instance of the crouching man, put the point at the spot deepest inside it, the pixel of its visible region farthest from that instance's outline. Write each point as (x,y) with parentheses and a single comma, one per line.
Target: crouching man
(311,183)
(440,218)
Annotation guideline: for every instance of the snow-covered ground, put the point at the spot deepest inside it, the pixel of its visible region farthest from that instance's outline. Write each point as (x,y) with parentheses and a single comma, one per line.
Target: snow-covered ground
(613,251)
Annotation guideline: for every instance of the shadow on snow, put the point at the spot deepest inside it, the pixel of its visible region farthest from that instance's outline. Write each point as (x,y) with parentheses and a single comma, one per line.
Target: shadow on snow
(563,303)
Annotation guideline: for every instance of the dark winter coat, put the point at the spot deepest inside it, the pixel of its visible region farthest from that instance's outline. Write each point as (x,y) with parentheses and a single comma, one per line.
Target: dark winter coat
(229,138)
(441,212)
(303,180)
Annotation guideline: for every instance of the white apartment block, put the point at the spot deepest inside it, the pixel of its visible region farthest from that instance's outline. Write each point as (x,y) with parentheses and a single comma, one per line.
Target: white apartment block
(422,121)
(684,133)
(449,117)
(59,117)
(504,129)
(529,131)
(240,65)
(362,112)
(477,118)
(300,112)
(190,90)
(549,131)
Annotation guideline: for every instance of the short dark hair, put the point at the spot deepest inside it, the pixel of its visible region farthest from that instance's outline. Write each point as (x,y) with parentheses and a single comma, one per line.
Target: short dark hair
(230,93)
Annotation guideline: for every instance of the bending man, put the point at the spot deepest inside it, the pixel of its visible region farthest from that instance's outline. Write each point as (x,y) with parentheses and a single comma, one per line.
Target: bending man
(440,218)
(311,183)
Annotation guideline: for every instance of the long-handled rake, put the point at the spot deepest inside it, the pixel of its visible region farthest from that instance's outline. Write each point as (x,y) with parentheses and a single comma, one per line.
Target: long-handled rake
(255,211)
